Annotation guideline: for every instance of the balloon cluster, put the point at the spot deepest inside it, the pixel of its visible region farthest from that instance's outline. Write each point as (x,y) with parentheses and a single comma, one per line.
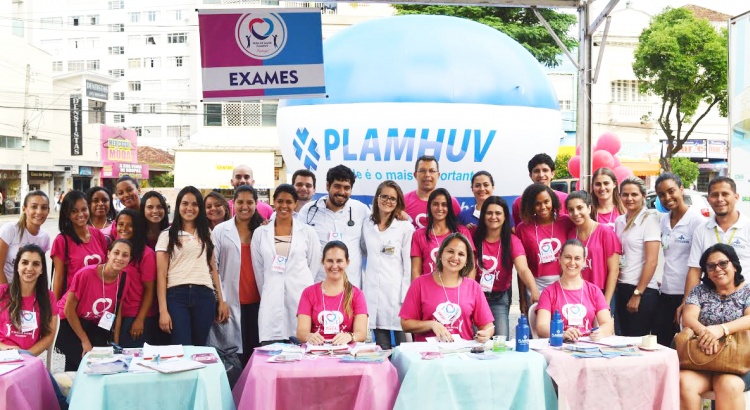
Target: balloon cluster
(605,150)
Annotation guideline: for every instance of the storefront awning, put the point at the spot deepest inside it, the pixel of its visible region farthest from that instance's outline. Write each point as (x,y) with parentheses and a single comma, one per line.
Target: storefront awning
(643,167)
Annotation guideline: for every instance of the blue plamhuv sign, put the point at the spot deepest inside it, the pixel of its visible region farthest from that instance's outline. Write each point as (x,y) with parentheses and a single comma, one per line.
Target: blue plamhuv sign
(250,54)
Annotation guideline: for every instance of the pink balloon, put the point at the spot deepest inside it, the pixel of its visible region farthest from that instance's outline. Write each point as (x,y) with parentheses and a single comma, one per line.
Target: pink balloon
(621,173)
(617,163)
(602,159)
(574,166)
(609,142)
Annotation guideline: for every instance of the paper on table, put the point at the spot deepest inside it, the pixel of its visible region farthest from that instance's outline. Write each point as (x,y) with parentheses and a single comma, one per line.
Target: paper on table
(10,356)
(135,368)
(325,347)
(164,352)
(173,366)
(457,343)
(418,347)
(5,368)
(539,344)
(614,341)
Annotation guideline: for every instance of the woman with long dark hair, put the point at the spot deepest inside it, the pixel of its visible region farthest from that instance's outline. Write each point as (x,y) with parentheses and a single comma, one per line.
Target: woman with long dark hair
(217,209)
(128,192)
(482,186)
(28,230)
(286,257)
(234,262)
(28,309)
(77,245)
(332,310)
(543,230)
(188,288)
(153,212)
(498,251)
(387,242)
(441,222)
(135,320)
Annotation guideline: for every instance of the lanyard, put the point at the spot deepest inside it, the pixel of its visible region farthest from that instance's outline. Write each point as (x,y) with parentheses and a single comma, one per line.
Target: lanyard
(716,232)
(458,290)
(536,232)
(435,237)
(566,297)
(117,289)
(586,242)
(324,298)
(485,244)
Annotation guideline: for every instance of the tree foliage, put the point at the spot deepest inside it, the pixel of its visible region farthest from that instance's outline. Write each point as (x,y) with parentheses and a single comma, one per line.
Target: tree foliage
(162,180)
(518,23)
(683,60)
(686,169)
(561,166)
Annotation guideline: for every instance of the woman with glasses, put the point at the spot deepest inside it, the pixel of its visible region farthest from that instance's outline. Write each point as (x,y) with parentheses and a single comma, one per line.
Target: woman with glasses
(387,243)
(718,307)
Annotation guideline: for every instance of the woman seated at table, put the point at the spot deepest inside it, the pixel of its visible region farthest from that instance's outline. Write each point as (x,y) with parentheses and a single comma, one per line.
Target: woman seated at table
(92,302)
(443,303)
(716,308)
(580,303)
(28,309)
(333,310)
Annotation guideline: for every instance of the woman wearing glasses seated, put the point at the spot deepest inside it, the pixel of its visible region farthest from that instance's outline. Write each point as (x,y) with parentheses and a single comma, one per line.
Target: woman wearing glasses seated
(716,308)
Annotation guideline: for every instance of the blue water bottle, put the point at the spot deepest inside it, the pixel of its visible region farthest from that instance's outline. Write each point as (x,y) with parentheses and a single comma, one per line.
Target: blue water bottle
(556,329)
(523,332)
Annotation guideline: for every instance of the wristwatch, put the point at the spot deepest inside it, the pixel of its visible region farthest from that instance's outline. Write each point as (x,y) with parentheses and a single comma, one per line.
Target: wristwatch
(352,335)
(725,329)
(637,293)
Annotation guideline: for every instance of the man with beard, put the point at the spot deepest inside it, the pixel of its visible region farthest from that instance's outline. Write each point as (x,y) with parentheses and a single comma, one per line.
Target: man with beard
(243,175)
(337,217)
(728,226)
(304,183)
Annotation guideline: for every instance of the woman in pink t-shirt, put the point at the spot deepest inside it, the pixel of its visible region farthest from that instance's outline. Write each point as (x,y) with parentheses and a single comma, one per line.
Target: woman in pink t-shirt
(580,303)
(445,303)
(542,231)
(607,205)
(135,320)
(333,310)
(77,245)
(28,309)
(154,213)
(498,250)
(441,222)
(91,305)
(128,192)
(603,248)
(101,210)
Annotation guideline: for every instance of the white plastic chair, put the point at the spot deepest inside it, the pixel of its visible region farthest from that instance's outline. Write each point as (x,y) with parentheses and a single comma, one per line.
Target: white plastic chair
(51,349)
(532,320)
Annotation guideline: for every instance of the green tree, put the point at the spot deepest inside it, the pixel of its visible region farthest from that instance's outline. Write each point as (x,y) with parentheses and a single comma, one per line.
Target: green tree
(162,180)
(686,169)
(561,166)
(518,23)
(683,60)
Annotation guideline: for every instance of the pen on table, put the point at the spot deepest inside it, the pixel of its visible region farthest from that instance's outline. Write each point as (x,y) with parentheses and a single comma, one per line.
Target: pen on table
(594,329)
(157,359)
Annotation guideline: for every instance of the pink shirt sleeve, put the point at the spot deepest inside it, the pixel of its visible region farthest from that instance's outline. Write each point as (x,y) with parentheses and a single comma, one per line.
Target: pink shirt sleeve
(418,242)
(359,304)
(610,243)
(545,299)
(53,303)
(306,301)
(58,247)
(597,298)
(264,210)
(516,247)
(516,211)
(411,308)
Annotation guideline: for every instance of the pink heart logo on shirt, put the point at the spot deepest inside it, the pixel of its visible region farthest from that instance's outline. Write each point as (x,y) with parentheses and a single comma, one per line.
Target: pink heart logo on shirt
(89,258)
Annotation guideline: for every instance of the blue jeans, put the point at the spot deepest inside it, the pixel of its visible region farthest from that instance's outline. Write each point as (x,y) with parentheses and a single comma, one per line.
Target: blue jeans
(193,310)
(127,341)
(500,306)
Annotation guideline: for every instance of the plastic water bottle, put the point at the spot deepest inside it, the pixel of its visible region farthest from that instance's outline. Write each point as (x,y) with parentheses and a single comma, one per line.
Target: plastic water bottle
(556,330)
(523,332)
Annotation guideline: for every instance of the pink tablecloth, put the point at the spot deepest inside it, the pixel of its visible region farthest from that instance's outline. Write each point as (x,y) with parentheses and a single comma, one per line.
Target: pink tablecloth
(322,383)
(28,387)
(636,382)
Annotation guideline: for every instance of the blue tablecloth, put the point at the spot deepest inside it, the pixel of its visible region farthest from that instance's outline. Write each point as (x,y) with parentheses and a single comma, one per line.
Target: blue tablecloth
(206,388)
(515,381)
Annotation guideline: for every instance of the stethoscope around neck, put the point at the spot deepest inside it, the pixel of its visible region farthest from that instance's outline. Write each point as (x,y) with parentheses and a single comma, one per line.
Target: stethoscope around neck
(315,207)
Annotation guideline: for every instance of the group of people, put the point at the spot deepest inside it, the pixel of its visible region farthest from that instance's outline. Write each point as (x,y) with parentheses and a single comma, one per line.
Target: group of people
(240,273)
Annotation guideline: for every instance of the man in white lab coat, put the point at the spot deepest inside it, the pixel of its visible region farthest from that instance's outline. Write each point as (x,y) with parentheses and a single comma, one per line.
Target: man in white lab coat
(338,217)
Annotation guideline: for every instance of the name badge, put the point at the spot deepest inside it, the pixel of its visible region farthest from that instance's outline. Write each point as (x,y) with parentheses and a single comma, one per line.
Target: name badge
(332,320)
(575,313)
(28,321)
(546,253)
(477,213)
(388,249)
(487,280)
(623,263)
(107,320)
(279,263)
(335,236)
(446,313)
